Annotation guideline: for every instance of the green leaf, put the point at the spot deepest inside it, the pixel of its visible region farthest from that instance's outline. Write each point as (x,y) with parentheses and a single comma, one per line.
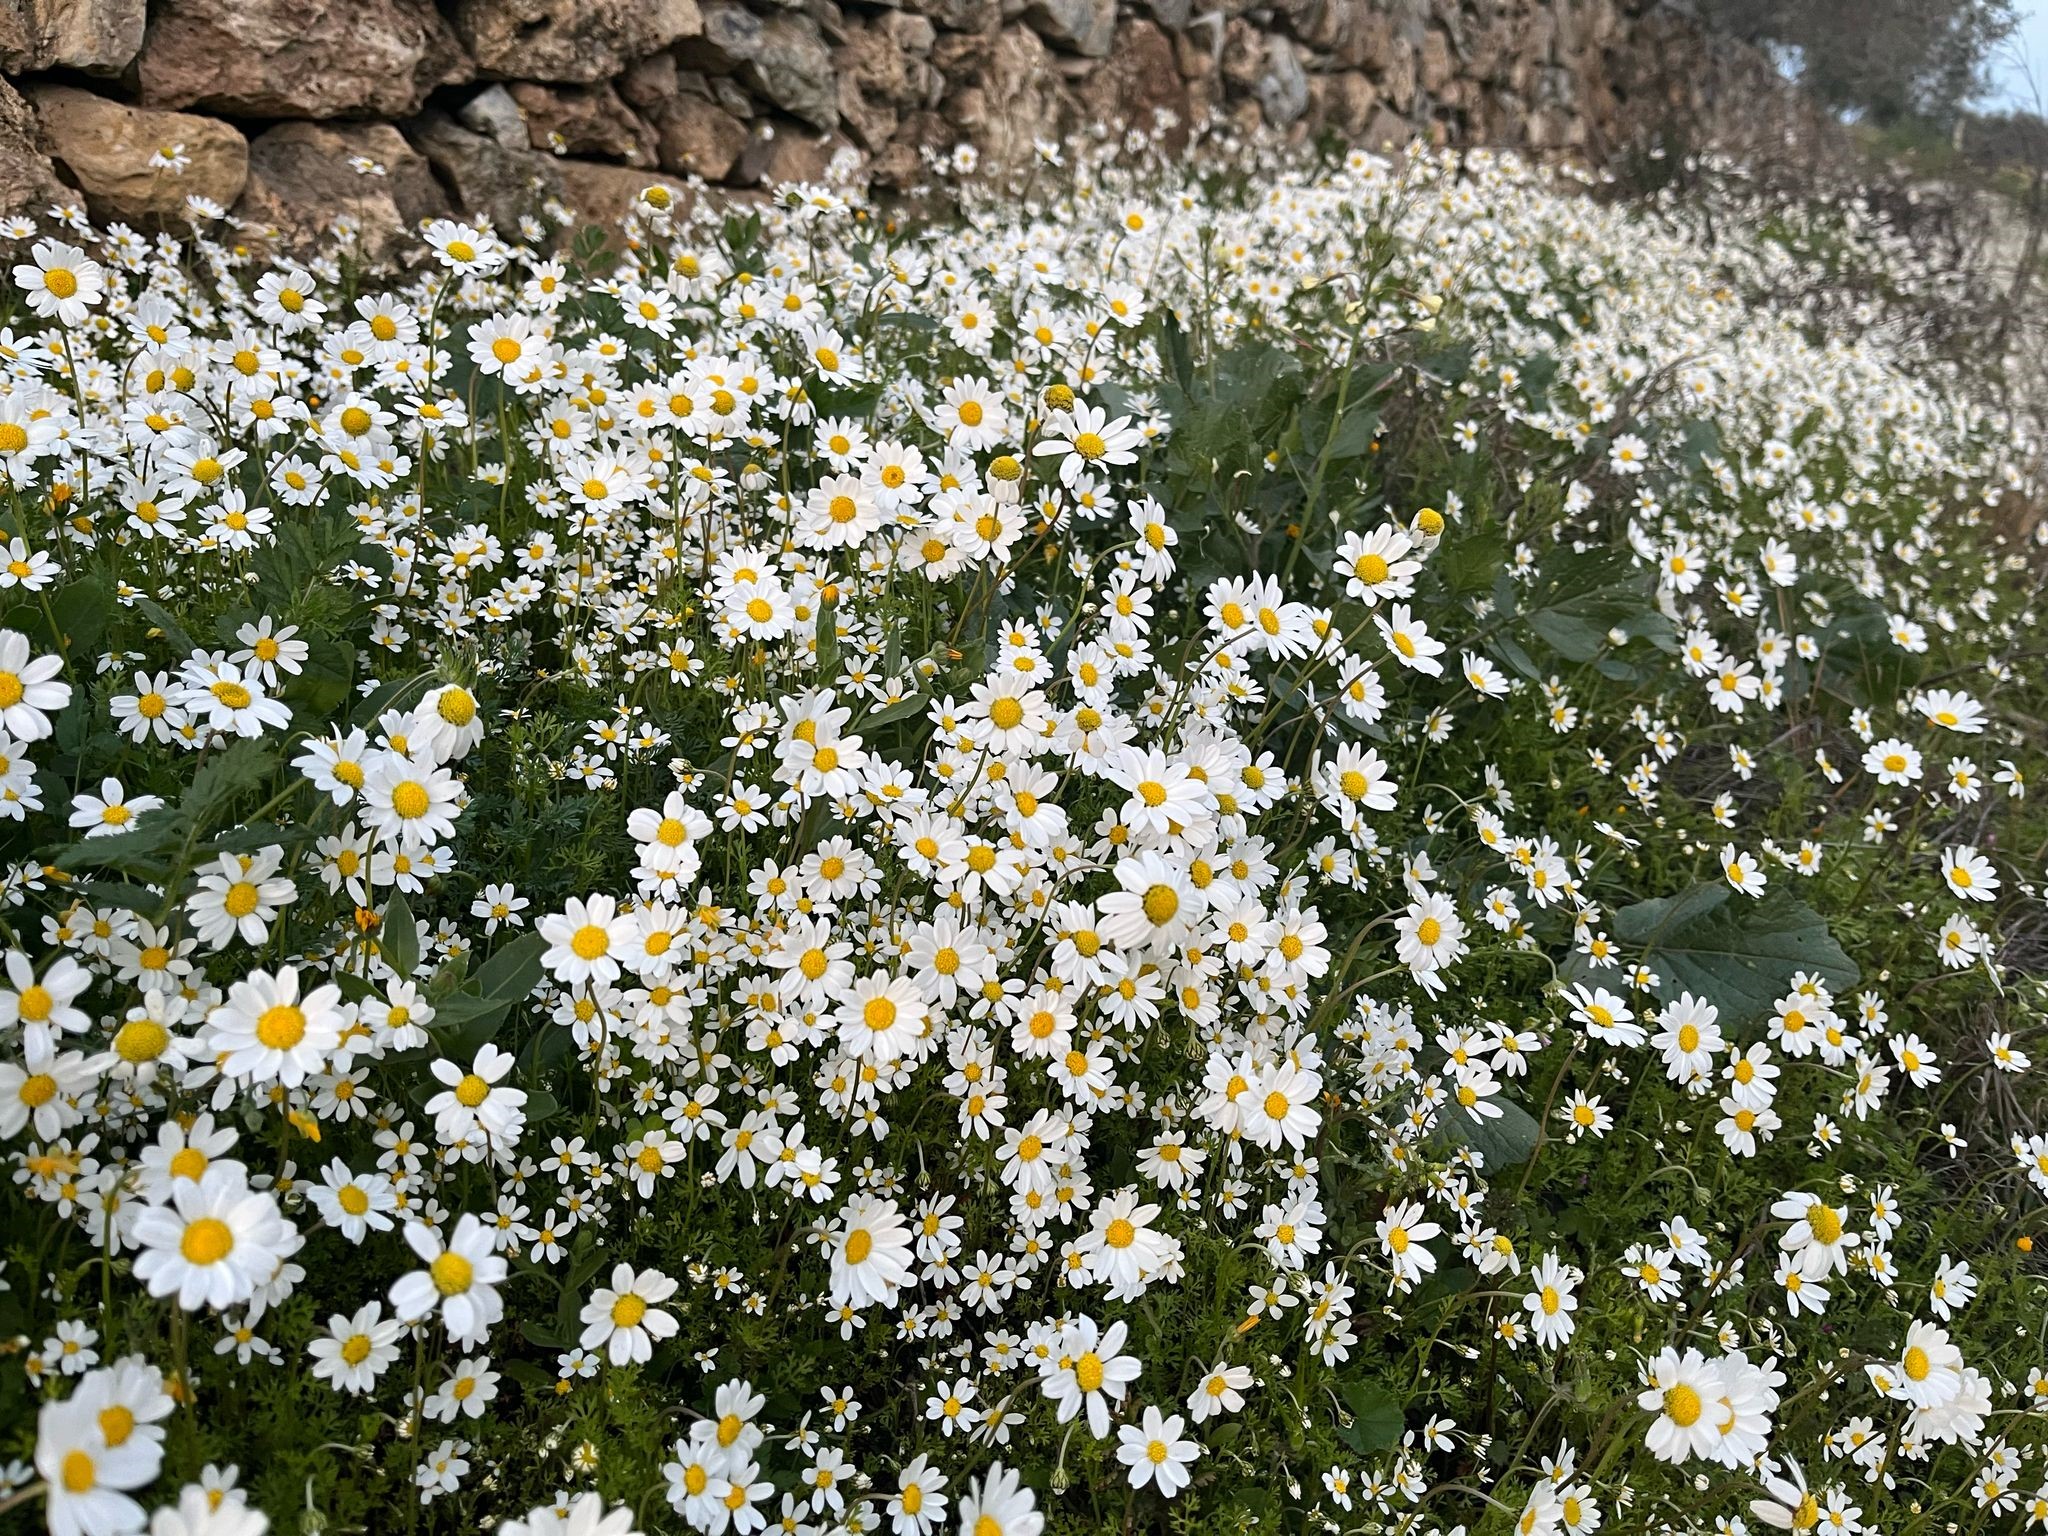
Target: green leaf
(132,853)
(902,709)
(1502,1142)
(470,1016)
(398,939)
(1180,362)
(828,640)
(1450,364)
(526,1373)
(323,685)
(244,764)
(513,970)
(81,611)
(1580,600)
(117,893)
(160,616)
(1352,435)
(1376,1422)
(545,1338)
(1740,956)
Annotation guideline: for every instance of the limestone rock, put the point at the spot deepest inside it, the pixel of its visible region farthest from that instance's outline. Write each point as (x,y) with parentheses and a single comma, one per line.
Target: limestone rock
(1437,69)
(781,58)
(880,77)
(1078,26)
(494,113)
(576,41)
(604,194)
(1003,93)
(308,58)
(1348,101)
(699,137)
(106,148)
(303,177)
(650,82)
(959,15)
(1282,87)
(1243,56)
(1388,131)
(98,36)
(780,152)
(793,69)
(482,175)
(584,120)
(1138,83)
(28,182)
(730,36)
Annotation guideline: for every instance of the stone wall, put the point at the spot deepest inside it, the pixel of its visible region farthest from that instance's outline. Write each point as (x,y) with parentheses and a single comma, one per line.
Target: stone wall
(290,112)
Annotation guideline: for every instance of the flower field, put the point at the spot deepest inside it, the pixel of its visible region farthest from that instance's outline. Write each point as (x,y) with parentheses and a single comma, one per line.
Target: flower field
(1338,849)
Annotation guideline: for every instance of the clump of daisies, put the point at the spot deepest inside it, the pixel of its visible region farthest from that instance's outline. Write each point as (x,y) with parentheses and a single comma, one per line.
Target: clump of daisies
(1355,858)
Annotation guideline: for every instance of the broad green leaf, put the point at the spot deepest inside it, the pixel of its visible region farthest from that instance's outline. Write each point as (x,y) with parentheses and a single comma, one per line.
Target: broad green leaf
(828,640)
(1179,360)
(1580,601)
(1376,1422)
(398,940)
(902,709)
(513,970)
(243,764)
(1738,954)
(134,853)
(80,611)
(160,616)
(1501,1142)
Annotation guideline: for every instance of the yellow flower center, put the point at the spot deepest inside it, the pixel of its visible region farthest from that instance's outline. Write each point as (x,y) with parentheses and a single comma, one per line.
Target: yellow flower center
(281,1026)
(1682,1406)
(206,1241)
(452,1273)
(141,1040)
